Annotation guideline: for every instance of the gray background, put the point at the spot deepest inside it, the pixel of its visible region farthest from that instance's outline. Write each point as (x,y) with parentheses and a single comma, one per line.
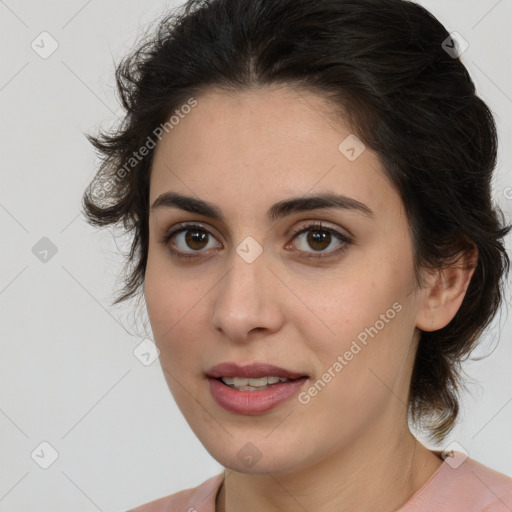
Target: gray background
(68,373)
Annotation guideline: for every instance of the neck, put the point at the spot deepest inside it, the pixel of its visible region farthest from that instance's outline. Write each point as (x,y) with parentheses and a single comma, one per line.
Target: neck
(369,476)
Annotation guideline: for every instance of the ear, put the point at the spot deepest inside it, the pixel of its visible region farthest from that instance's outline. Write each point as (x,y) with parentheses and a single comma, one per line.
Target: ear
(445,291)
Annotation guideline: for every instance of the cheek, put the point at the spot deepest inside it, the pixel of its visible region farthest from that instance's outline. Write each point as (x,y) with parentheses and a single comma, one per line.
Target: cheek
(175,307)
(164,301)
(357,307)
(364,342)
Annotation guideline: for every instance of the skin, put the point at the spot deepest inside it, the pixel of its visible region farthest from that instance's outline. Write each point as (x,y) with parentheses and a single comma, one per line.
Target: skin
(350,447)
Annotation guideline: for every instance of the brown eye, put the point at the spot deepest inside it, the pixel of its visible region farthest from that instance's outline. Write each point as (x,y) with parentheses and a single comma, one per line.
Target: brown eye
(319,238)
(195,239)
(188,239)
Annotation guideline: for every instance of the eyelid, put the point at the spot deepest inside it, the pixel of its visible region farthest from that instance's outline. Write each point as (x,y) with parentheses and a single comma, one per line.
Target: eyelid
(320,224)
(184,226)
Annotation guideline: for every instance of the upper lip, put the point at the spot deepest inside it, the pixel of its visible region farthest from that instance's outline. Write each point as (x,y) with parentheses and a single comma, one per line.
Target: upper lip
(249,371)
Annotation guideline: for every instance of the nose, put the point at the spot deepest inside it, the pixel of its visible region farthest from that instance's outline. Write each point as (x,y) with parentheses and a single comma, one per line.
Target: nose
(247,300)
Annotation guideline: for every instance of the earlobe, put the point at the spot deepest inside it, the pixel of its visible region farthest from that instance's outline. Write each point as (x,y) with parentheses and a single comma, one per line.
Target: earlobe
(445,292)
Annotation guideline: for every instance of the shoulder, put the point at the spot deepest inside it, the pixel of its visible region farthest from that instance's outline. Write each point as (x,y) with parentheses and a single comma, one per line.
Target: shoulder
(463,484)
(497,488)
(490,489)
(194,499)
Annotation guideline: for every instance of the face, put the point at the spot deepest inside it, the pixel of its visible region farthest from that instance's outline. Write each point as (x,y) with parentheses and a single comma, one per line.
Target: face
(336,303)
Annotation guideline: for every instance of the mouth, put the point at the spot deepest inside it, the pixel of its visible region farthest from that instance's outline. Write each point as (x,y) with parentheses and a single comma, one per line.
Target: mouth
(252,371)
(254,391)
(253,377)
(255,384)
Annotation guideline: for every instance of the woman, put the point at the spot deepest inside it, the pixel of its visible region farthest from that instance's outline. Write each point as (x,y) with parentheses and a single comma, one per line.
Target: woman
(308,187)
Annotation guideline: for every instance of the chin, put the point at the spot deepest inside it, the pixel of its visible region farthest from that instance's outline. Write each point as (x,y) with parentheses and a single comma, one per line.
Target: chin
(260,456)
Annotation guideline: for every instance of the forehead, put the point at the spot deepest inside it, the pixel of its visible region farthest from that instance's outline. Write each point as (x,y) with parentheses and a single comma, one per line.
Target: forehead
(253,146)
(256,122)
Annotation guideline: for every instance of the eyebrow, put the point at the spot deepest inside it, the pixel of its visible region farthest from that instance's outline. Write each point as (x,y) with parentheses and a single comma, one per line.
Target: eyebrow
(276,211)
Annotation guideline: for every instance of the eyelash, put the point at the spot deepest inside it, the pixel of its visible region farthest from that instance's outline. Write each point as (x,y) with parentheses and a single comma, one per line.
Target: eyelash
(317,226)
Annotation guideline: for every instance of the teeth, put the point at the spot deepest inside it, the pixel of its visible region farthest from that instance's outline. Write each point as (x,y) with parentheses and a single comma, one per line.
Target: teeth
(248,384)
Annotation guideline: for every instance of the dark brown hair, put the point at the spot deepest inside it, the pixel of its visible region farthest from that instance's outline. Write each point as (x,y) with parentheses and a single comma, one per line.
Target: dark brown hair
(384,64)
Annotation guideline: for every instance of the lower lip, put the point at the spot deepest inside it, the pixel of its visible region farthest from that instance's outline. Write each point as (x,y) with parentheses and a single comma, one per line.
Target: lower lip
(253,402)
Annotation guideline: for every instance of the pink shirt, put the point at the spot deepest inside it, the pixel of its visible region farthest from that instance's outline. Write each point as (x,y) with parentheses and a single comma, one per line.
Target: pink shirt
(459,485)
